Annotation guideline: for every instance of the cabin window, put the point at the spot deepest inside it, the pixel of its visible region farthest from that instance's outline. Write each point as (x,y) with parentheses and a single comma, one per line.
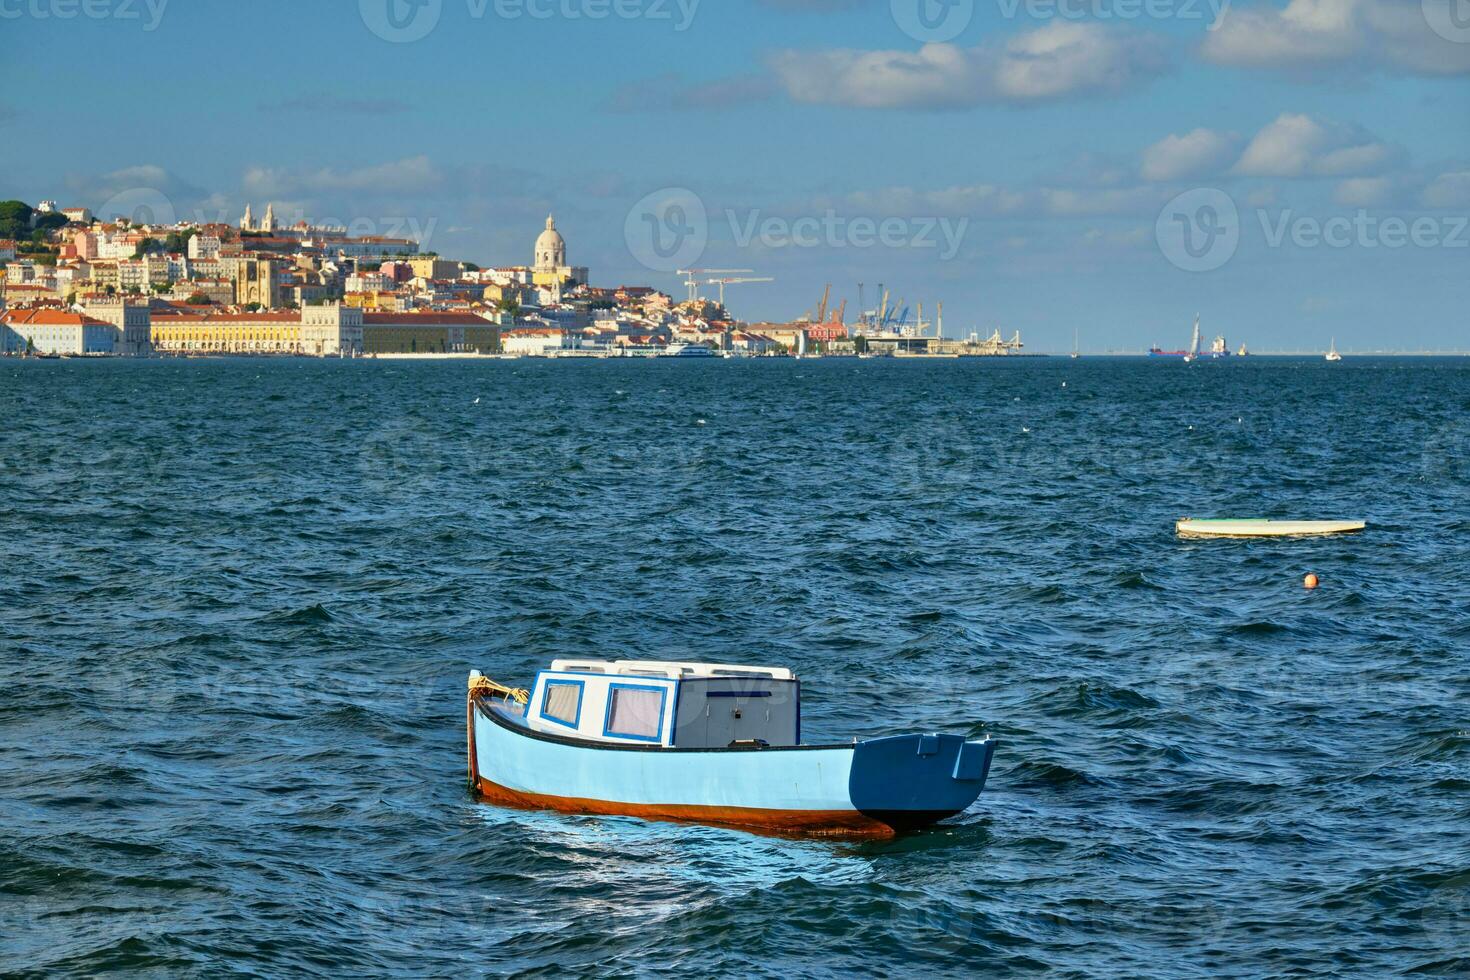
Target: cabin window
(563,702)
(635,712)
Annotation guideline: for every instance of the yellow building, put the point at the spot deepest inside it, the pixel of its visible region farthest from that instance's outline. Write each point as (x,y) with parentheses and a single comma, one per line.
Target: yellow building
(377,299)
(433,267)
(226,333)
(503,293)
(429,332)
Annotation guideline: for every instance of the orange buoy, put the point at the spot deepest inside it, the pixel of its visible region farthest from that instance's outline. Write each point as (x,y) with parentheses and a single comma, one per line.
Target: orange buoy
(1310,581)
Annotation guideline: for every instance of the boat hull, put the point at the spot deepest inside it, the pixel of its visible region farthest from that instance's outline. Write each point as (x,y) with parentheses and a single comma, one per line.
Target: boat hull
(1264,528)
(874,788)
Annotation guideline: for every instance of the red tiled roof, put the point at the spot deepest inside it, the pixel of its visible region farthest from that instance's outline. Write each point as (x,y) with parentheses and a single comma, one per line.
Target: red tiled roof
(430,318)
(169,318)
(43,316)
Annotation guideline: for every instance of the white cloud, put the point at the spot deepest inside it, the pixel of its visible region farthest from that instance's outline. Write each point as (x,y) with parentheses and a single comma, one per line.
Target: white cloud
(1449,190)
(92,190)
(994,201)
(1312,36)
(1362,192)
(1195,154)
(412,175)
(1296,145)
(1059,60)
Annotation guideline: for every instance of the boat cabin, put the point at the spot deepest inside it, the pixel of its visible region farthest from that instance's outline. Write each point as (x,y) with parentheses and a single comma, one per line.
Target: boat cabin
(668,704)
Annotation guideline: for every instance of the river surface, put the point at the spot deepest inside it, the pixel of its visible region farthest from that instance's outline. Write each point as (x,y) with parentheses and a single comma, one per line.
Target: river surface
(239,600)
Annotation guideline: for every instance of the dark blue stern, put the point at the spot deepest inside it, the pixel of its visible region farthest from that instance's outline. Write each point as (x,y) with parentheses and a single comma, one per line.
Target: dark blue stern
(908,781)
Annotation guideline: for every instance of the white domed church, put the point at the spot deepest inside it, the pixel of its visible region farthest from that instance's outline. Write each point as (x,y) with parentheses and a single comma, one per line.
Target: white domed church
(550,268)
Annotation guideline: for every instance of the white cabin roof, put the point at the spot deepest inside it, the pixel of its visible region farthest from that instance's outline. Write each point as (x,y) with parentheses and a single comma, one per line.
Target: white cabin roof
(668,668)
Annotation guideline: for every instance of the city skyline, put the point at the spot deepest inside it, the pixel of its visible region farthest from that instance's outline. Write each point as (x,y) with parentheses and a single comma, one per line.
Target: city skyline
(1047,168)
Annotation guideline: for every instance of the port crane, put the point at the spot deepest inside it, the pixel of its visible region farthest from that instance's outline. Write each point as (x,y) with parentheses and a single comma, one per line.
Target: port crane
(691,280)
(722,283)
(819,313)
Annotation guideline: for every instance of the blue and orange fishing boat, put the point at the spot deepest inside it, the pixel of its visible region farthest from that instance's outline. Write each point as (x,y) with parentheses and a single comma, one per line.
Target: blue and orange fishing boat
(705,743)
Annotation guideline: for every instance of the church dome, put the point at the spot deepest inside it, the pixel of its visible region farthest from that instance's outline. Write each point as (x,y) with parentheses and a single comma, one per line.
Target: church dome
(551,248)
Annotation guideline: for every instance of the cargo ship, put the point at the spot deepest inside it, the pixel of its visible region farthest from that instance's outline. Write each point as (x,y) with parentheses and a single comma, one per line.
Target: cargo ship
(1217,349)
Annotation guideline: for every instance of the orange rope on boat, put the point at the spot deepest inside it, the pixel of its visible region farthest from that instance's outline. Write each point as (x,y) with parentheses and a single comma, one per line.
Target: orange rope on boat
(480,684)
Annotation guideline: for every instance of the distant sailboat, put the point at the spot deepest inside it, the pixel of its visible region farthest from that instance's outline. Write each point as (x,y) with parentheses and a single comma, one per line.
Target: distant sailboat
(1075,352)
(1332,354)
(1193,343)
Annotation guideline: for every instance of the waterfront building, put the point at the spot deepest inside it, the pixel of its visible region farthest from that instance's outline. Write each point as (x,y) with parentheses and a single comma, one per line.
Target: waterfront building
(331,329)
(752,343)
(429,332)
(47,330)
(792,336)
(215,332)
(131,319)
(538,341)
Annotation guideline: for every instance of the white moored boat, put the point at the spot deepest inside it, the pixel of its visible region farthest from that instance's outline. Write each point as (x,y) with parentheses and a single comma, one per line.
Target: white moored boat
(1263,528)
(705,743)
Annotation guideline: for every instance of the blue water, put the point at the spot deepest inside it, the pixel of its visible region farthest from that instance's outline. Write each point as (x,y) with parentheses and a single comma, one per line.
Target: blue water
(239,599)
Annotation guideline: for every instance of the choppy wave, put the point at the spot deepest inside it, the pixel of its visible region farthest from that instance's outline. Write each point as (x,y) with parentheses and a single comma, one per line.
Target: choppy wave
(238,601)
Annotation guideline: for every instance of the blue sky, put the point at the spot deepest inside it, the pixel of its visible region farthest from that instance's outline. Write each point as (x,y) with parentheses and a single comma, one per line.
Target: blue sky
(1028,157)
